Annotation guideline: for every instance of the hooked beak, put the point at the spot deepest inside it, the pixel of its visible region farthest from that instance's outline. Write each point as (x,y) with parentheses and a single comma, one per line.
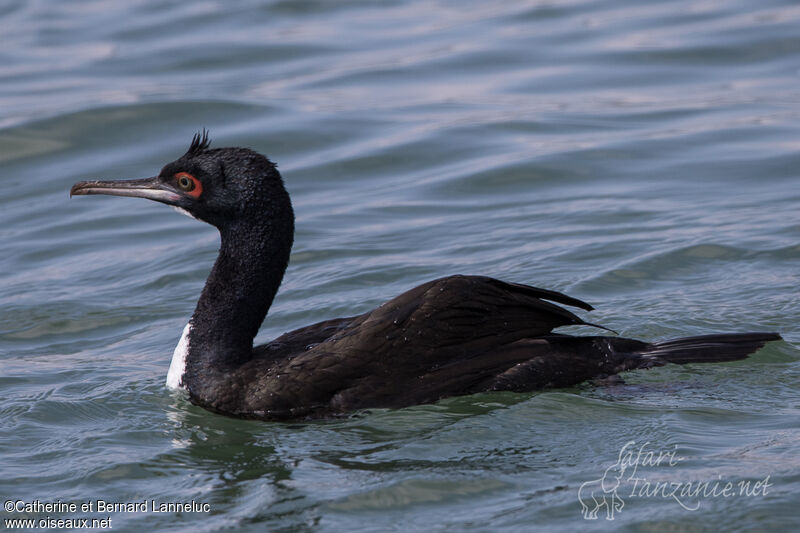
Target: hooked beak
(150,188)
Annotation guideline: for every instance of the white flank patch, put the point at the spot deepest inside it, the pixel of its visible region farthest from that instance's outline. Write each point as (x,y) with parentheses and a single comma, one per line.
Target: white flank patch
(178,365)
(183,211)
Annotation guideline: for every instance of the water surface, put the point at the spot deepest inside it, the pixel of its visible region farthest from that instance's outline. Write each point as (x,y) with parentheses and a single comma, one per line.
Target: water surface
(640,156)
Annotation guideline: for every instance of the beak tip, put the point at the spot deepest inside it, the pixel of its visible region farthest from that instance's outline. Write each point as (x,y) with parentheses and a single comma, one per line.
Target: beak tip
(77,189)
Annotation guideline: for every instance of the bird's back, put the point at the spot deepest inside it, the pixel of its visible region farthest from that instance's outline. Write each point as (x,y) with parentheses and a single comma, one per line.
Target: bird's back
(442,338)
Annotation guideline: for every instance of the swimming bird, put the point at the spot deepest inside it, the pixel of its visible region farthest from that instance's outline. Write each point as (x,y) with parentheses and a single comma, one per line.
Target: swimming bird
(452,336)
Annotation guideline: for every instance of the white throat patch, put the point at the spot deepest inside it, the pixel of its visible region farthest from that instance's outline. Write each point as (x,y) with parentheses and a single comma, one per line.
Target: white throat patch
(178,365)
(183,211)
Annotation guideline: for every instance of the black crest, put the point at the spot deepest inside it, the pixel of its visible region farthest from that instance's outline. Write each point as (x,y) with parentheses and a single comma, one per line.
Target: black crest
(200,142)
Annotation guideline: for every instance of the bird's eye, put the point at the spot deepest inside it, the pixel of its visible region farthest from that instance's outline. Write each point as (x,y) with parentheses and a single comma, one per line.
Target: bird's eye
(189,184)
(185,181)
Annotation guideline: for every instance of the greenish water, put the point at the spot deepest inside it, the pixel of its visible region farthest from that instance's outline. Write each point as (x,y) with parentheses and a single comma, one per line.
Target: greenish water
(642,156)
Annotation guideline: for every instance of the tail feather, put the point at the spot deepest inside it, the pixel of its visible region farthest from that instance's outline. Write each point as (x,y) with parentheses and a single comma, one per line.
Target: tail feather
(708,348)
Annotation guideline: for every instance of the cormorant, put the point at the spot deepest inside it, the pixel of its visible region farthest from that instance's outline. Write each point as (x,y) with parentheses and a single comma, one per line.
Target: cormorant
(451,336)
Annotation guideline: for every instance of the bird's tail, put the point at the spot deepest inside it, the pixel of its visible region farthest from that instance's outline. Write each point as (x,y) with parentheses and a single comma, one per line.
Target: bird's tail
(707,348)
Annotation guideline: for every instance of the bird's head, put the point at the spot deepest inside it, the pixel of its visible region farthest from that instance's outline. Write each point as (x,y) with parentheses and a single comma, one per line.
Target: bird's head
(220,186)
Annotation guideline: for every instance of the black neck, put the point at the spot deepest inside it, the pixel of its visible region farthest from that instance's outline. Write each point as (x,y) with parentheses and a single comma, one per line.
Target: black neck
(240,288)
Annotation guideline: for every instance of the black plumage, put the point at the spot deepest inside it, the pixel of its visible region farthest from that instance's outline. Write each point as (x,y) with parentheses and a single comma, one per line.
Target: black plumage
(451,336)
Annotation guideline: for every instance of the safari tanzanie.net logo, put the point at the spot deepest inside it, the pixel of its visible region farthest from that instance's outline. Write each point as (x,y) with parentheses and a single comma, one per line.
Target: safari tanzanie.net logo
(643,472)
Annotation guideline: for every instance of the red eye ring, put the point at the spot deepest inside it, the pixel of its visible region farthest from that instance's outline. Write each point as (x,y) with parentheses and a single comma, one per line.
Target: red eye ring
(189,184)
